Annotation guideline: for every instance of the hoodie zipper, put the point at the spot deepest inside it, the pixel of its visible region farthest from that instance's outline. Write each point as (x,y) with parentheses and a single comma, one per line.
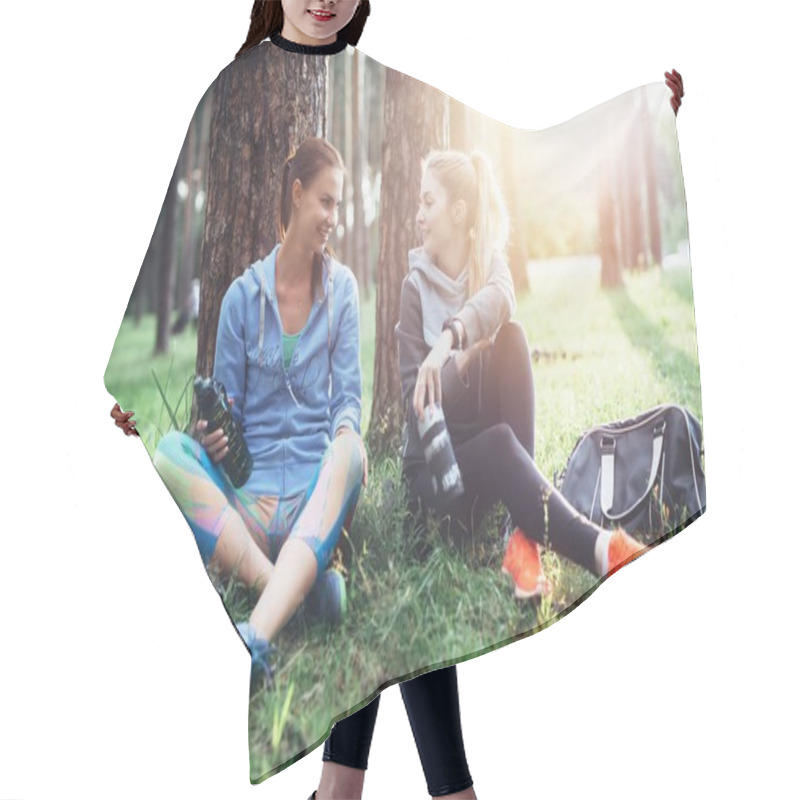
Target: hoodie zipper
(296,353)
(295,356)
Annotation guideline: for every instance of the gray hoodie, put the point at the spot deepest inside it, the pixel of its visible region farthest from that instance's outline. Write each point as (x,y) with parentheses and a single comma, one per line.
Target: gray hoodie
(428,297)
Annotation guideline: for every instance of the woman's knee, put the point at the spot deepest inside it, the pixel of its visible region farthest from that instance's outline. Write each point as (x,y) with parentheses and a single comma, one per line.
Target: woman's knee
(171,449)
(499,440)
(348,451)
(511,335)
(513,356)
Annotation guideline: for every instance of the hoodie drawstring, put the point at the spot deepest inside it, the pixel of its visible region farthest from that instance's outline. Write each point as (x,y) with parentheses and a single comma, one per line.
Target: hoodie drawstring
(262,316)
(263,312)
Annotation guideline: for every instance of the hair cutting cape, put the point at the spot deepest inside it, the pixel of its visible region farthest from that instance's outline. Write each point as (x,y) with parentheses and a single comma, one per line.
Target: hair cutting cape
(599,254)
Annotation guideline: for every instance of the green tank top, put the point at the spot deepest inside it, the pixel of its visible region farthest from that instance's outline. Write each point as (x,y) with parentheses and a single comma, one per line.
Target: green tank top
(289,343)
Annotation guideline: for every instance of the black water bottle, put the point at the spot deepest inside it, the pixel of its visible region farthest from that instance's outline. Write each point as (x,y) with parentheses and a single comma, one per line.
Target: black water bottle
(212,405)
(439,455)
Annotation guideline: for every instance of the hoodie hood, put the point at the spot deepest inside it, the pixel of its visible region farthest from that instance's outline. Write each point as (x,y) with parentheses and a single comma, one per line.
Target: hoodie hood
(441,296)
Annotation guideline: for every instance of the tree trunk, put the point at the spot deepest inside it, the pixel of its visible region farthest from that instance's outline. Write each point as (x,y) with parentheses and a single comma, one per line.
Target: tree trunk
(623,186)
(374,86)
(651,183)
(415,120)
(511,163)
(197,189)
(357,170)
(166,258)
(264,107)
(190,180)
(459,137)
(637,246)
(139,295)
(347,155)
(337,113)
(610,267)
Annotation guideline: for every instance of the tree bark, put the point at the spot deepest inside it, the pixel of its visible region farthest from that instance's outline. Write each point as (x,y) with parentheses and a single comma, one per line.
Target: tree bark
(415,120)
(459,135)
(347,155)
(636,222)
(190,180)
(265,105)
(512,162)
(374,88)
(166,259)
(337,111)
(610,266)
(357,170)
(651,183)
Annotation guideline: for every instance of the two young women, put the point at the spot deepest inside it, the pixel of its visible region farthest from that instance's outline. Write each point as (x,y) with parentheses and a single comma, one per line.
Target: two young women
(288,342)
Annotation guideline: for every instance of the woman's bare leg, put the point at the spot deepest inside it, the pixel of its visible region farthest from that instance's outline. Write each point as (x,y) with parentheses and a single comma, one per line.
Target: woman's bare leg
(215,513)
(294,575)
(237,554)
(339,782)
(296,566)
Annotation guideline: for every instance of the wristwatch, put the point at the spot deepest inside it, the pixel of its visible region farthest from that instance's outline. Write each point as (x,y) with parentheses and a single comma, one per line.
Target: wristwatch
(458,342)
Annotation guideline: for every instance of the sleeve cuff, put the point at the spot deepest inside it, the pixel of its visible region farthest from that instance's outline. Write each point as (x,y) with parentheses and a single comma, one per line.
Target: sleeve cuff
(468,318)
(345,419)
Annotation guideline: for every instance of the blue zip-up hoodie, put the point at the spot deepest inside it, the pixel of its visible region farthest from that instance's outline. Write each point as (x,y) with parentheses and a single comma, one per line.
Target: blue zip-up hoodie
(289,416)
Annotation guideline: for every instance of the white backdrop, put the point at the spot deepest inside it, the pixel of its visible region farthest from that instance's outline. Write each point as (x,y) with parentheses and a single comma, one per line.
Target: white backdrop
(120,675)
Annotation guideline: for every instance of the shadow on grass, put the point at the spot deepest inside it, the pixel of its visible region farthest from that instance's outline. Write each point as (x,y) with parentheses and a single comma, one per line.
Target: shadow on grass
(673,364)
(679,282)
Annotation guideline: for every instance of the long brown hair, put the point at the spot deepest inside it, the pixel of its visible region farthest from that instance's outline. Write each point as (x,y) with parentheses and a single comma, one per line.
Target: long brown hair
(304,164)
(266,19)
(471,178)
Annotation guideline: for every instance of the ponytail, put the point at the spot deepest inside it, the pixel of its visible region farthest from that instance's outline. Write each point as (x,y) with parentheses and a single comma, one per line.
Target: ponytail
(490,224)
(471,178)
(285,205)
(266,19)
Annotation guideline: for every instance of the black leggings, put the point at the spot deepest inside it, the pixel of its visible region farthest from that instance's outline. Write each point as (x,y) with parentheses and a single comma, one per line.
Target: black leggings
(496,461)
(431,701)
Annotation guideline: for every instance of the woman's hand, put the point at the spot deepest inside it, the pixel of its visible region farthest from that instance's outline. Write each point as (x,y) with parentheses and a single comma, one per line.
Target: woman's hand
(122,419)
(429,375)
(216,442)
(348,429)
(675,82)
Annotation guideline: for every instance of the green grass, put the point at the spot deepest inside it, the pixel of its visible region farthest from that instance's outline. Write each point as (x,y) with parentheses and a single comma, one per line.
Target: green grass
(134,374)
(416,601)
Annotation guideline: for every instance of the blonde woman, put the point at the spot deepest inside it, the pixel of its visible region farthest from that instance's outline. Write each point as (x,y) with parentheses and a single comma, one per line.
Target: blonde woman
(459,349)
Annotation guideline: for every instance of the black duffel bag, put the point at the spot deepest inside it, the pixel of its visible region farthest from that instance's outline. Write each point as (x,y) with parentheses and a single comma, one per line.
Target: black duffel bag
(644,474)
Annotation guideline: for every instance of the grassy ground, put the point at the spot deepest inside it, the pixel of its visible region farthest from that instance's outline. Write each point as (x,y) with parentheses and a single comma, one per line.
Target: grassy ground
(412,604)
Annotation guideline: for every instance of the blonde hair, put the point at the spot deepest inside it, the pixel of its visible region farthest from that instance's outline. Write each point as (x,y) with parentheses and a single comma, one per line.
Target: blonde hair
(470,177)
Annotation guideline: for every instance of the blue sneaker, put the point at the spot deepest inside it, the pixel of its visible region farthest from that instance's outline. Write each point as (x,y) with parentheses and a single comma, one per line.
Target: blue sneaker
(261,671)
(327,600)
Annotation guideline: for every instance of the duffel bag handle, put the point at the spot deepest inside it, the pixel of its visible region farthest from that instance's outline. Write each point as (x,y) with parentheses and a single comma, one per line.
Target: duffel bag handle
(608,445)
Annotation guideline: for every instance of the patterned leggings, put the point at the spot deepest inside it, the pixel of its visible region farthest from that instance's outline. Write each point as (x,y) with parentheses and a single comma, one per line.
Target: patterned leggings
(209,502)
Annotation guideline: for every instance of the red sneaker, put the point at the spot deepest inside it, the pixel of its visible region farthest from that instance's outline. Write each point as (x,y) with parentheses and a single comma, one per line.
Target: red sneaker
(523,563)
(622,549)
